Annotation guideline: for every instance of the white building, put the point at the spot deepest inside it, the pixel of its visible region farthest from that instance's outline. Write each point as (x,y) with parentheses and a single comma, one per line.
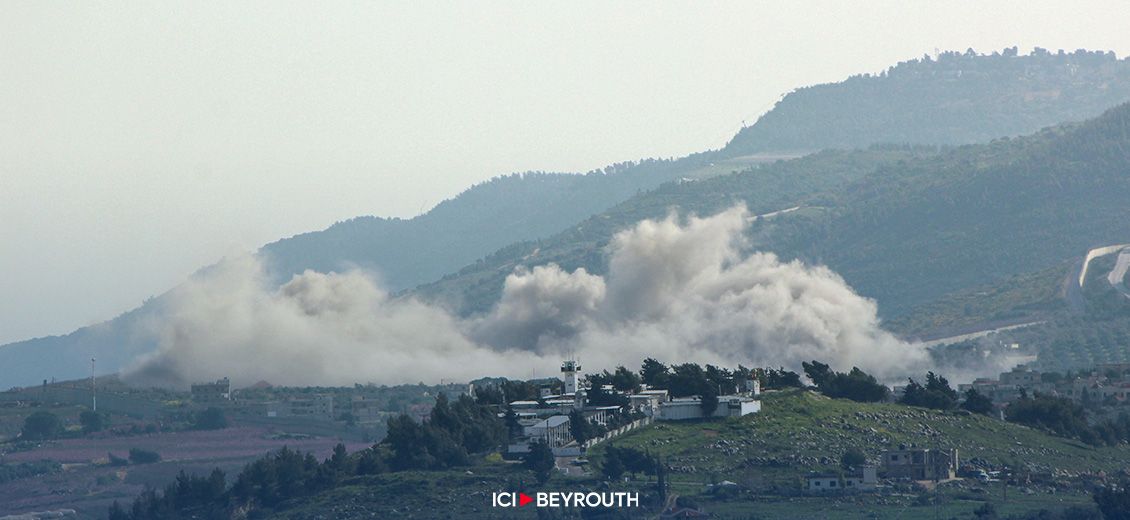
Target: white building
(685,408)
(648,402)
(570,371)
(553,430)
(822,483)
(864,480)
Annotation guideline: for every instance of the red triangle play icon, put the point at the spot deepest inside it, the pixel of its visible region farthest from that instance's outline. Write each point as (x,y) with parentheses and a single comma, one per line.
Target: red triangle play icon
(524,499)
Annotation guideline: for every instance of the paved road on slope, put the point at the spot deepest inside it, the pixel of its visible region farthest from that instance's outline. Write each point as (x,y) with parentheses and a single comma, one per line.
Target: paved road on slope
(1117,276)
(1073,284)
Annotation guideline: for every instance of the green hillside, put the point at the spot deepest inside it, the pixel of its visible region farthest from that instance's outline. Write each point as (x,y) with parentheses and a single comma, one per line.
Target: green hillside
(964,97)
(904,227)
(1071,341)
(764,189)
(1022,298)
(799,430)
(767,455)
(956,99)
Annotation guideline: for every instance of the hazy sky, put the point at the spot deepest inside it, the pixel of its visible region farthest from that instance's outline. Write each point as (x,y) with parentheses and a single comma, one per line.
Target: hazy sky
(140,141)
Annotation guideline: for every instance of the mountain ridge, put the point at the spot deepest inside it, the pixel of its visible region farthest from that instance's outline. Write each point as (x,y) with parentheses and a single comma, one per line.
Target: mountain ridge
(476,228)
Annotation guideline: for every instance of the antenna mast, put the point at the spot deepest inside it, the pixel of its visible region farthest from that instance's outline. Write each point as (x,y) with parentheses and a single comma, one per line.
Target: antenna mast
(93,387)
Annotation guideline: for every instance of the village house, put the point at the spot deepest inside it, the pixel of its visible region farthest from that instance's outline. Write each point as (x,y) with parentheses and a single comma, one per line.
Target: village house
(920,464)
(212,392)
(366,411)
(863,479)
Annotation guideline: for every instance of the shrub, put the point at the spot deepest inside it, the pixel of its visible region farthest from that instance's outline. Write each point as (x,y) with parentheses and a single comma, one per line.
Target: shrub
(853,458)
(92,421)
(117,461)
(211,419)
(41,425)
(140,456)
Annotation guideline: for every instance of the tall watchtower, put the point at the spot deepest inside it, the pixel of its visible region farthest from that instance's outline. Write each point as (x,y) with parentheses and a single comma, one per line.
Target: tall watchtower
(569,371)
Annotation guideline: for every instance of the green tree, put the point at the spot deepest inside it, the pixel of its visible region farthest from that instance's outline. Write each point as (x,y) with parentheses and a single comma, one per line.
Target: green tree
(654,374)
(613,467)
(541,461)
(936,394)
(625,380)
(688,379)
(140,456)
(977,402)
(986,512)
(856,385)
(580,427)
(92,421)
(117,513)
(340,463)
(41,425)
(778,378)
(1114,503)
(709,401)
(853,458)
(817,372)
(510,420)
(211,418)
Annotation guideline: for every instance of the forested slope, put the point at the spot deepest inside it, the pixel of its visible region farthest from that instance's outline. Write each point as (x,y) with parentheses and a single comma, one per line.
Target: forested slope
(902,227)
(958,98)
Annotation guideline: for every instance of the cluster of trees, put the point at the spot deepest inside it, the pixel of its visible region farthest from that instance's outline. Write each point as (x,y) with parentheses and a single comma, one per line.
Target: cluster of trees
(1114,503)
(540,460)
(92,421)
(618,461)
(136,456)
(583,429)
(1067,418)
(211,418)
(690,379)
(453,433)
(43,425)
(856,385)
(9,472)
(968,97)
(936,393)
(265,483)
(939,395)
(777,379)
(502,391)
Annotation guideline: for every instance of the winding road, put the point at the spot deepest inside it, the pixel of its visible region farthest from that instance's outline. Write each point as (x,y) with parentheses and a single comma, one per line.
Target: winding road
(1073,284)
(1117,276)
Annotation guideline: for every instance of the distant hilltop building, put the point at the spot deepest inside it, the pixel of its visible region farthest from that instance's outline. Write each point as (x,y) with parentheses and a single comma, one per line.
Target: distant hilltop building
(547,418)
(208,392)
(685,408)
(1108,382)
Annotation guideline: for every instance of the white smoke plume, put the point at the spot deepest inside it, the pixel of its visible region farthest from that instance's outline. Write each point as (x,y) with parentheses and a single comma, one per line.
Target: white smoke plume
(676,290)
(317,329)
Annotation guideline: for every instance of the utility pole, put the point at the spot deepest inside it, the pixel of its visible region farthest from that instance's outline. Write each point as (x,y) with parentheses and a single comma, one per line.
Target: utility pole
(93,387)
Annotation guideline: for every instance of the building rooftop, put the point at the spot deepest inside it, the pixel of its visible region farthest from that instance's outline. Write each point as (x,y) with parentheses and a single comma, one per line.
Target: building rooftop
(552,422)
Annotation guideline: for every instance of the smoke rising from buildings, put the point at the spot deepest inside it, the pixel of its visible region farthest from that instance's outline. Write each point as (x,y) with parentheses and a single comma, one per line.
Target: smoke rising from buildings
(677,290)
